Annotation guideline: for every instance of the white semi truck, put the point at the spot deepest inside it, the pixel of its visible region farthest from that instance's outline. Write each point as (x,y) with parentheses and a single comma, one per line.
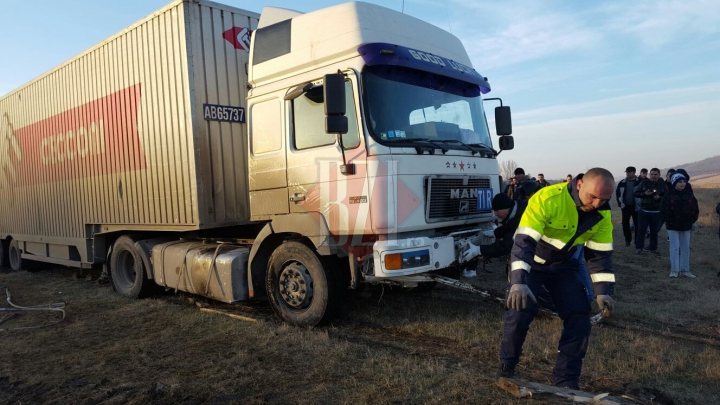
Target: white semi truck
(246,156)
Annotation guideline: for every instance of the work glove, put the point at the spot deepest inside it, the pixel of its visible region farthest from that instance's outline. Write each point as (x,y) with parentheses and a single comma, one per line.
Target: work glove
(469,251)
(518,297)
(489,233)
(605,301)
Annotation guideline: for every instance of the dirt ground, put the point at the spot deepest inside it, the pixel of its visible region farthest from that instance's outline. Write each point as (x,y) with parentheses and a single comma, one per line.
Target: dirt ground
(661,345)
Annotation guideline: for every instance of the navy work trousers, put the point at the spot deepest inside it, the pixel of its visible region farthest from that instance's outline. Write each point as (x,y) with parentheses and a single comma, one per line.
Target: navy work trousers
(570,297)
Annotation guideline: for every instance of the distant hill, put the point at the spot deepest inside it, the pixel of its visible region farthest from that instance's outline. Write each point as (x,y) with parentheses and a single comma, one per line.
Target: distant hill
(703,173)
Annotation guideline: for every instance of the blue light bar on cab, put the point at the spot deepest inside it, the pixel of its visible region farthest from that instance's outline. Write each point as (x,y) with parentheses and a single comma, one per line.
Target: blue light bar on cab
(389,54)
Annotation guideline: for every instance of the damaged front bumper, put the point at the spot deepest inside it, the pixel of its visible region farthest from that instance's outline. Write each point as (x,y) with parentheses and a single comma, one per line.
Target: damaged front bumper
(408,256)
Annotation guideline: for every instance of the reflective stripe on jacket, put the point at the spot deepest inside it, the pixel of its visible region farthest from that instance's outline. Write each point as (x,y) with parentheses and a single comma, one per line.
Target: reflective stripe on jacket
(549,231)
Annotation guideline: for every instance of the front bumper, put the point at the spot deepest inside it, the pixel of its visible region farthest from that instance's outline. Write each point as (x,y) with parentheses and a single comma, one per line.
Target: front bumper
(443,252)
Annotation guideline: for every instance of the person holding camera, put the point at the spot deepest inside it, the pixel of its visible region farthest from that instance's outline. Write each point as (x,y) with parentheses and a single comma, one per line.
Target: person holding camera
(650,191)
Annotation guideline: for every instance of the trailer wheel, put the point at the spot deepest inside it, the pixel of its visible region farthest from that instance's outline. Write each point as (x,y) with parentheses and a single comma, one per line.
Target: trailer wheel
(3,254)
(127,270)
(301,290)
(15,256)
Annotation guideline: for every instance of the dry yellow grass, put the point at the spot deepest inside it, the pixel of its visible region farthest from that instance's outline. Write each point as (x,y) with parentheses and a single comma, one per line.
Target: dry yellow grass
(437,347)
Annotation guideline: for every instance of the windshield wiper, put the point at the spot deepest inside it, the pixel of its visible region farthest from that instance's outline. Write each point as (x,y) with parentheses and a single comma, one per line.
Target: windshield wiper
(483,146)
(471,147)
(419,150)
(405,140)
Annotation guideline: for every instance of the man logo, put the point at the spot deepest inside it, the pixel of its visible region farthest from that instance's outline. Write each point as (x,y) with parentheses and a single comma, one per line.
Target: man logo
(464,207)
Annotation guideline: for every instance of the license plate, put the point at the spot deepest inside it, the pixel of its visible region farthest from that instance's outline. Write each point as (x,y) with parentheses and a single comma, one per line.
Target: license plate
(484,200)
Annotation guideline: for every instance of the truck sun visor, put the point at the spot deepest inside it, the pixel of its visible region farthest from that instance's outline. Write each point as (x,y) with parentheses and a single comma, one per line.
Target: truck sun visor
(389,54)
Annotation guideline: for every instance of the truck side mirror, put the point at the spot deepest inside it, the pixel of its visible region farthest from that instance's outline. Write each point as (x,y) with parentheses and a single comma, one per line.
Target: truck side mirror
(334,93)
(506,142)
(335,120)
(503,122)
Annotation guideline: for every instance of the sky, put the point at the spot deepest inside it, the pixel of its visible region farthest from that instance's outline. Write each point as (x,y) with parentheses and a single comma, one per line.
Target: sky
(609,84)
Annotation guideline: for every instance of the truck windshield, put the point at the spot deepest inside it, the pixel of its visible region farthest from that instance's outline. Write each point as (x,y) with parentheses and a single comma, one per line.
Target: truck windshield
(410,105)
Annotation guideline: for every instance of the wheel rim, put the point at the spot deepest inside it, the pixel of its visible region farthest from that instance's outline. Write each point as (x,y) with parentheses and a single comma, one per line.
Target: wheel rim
(125,274)
(14,258)
(296,286)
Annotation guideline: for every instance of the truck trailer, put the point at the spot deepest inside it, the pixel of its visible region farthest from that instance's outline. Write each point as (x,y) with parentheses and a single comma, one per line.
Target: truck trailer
(243,156)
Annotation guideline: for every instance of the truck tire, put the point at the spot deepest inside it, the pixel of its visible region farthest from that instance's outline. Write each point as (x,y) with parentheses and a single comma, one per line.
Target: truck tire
(127,270)
(15,259)
(3,254)
(302,291)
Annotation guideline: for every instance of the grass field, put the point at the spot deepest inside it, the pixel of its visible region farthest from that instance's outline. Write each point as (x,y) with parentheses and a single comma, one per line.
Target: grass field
(661,345)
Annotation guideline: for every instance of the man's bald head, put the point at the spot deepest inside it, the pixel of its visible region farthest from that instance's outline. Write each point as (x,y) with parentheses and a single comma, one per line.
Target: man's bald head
(595,188)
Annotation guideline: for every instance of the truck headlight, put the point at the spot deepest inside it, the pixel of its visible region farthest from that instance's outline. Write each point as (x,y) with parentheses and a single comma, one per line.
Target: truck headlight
(407,260)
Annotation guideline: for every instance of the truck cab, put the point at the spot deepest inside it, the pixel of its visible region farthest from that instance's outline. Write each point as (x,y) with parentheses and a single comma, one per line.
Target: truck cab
(368,146)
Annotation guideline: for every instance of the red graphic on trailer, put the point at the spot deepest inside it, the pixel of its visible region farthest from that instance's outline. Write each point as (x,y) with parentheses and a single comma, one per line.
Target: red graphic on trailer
(96,138)
(239,37)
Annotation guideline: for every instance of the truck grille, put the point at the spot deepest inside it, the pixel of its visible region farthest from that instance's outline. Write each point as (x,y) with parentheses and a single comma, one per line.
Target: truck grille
(448,198)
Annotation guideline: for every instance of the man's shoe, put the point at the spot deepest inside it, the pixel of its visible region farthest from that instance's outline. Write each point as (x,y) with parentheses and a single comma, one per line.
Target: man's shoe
(687,274)
(673,274)
(627,244)
(638,251)
(654,252)
(572,387)
(506,371)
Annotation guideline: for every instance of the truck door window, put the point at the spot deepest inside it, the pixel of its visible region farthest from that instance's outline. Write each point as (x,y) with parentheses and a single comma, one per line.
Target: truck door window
(266,127)
(309,120)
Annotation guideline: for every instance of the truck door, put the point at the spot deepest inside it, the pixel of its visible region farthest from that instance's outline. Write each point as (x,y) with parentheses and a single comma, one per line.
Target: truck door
(267,165)
(314,158)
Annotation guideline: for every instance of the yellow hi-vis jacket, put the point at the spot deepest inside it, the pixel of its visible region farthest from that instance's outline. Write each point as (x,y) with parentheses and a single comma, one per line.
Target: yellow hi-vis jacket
(552,227)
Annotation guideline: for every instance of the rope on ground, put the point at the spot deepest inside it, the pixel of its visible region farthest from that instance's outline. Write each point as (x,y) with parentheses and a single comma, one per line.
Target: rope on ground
(16,309)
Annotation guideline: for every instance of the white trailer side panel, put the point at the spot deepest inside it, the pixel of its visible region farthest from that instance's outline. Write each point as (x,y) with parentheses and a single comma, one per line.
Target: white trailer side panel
(116,138)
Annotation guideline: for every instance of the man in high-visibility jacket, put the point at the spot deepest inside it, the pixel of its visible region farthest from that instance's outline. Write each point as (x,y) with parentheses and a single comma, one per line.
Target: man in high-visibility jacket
(559,218)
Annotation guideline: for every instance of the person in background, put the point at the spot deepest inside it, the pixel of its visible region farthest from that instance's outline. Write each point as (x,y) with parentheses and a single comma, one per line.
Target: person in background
(717,211)
(626,201)
(557,219)
(643,174)
(525,185)
(688,186)
(679,209)
(568,178)
(511,188)
(541,180)
(650,191)
(669,174)
(509,212)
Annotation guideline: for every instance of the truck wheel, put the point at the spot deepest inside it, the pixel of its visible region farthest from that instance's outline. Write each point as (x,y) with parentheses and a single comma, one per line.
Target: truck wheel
(15,256)
(301,290)
(3,254)
(127,270)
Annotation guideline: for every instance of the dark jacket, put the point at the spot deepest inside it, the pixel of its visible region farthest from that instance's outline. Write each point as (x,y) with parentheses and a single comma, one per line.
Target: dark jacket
(648,202)
(620,190)
(679,210)
(511,190)
(717,209)
(526,189)
(543,183)
(504,233)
